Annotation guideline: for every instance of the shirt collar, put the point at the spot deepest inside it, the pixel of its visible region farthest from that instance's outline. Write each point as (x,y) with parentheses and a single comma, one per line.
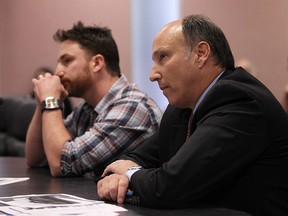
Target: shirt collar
(121,83)
(206,91)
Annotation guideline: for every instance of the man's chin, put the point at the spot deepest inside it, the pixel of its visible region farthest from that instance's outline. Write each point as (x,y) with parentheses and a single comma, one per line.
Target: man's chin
(177,104)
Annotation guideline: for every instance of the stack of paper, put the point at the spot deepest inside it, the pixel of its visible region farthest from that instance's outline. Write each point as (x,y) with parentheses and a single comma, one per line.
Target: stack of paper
(55,204)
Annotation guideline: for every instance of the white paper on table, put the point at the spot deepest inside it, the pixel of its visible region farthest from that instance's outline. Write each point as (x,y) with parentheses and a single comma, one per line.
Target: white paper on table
(34,201)
(5,181)
(56,204)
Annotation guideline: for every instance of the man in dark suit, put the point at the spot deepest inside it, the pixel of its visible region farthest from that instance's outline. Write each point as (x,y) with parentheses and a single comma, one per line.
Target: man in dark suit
(223,140)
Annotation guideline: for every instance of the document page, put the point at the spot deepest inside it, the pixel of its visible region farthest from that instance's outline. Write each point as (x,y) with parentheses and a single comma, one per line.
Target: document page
(5,181)
(55,204)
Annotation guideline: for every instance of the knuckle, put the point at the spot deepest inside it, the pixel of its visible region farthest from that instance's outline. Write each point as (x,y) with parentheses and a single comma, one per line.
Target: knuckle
(122,183)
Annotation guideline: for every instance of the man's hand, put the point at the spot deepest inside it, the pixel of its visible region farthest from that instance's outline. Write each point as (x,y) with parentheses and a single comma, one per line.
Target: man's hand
(113,187)
(119,167)
(48,85)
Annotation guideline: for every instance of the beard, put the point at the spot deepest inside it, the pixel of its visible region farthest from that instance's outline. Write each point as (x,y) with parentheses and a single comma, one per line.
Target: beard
(78,86)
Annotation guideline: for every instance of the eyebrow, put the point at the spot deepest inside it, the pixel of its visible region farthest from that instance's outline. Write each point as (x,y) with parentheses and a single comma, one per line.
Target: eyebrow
(62,57)
(154,54)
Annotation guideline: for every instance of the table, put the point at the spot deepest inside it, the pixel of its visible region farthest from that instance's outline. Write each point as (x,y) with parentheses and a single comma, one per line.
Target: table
(41,182)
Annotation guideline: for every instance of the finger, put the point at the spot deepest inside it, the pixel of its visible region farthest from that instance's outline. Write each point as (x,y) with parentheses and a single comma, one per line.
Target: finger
(107,171)
(39,77)
(113,187)
(110,168)
(48,75)
(122,189)
(103,189)
(100,189)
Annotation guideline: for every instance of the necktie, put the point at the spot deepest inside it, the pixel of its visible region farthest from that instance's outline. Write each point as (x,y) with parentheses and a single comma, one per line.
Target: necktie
(189,125)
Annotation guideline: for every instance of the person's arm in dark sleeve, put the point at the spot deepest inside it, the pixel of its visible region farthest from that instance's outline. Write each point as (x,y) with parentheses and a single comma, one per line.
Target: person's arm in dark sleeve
(147,154)
(226,141)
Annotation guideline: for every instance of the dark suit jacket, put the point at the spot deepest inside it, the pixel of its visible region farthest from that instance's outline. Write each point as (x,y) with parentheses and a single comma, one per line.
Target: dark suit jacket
(236,157)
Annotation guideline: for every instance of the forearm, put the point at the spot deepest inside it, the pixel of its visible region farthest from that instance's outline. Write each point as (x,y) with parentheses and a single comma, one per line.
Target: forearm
(202,164)
(54,133)
(34,151)
(54,136)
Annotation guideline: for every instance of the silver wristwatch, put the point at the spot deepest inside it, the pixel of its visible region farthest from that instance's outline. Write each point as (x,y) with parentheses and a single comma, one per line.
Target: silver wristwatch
(51,103)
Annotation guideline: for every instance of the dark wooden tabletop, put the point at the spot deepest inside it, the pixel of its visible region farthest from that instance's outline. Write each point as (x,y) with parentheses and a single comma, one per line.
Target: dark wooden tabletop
(41,182)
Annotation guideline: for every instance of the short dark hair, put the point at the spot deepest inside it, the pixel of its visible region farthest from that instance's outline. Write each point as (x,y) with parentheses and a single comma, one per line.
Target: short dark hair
(198,28)
(96,40)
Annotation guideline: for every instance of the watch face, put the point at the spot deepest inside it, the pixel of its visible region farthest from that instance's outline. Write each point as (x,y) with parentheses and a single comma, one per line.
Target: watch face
(51,103)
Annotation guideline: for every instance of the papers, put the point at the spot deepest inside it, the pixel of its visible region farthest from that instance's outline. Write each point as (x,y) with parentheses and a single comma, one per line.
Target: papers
(55,204)
(4,181)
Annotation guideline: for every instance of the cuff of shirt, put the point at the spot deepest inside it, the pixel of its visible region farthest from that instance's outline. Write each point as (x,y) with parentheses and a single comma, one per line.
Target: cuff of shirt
(132,170)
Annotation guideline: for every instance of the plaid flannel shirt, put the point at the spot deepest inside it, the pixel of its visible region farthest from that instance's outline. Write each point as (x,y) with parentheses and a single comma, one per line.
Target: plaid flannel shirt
(121,121)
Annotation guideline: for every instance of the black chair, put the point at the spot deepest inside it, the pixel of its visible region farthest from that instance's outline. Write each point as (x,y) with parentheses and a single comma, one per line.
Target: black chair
(15,115)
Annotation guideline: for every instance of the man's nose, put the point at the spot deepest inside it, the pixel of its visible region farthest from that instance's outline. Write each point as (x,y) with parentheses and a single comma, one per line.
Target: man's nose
(58,71)
(154,74)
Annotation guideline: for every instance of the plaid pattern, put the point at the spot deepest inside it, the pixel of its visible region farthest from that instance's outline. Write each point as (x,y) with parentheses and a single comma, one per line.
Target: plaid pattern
(120,122)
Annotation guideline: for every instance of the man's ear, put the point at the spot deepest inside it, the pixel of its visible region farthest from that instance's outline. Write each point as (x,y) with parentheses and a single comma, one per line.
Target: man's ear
(97,62)
(202,50)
